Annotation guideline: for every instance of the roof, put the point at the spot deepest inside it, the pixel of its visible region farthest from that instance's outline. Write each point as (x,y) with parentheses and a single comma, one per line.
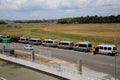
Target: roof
(107,45)
(50,40)
(84,43)
(34,39)
(66,41)
(23,37)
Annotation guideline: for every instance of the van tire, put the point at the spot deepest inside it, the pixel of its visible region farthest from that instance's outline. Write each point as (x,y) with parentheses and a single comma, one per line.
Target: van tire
(109,54)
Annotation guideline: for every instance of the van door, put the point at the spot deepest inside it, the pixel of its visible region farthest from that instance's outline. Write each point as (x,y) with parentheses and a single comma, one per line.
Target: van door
(76,47)
(104,50)
(100,50)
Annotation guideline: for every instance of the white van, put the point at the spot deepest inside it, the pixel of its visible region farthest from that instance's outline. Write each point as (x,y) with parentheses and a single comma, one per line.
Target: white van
(50,43)
(66,44)
(35,41)
(23,40)
(1,36)
(83,46)
(106,49)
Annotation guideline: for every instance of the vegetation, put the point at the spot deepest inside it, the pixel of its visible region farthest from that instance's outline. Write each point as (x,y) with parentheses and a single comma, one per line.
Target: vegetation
(34,21)
(2,22)
(95,33)
(91,19)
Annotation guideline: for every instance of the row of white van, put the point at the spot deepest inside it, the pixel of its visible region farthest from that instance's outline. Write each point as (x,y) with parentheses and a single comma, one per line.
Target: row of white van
(80,46)
(83,46)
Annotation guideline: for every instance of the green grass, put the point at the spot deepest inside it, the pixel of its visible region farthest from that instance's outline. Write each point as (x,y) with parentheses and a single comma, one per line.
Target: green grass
(57,35)
(95,33)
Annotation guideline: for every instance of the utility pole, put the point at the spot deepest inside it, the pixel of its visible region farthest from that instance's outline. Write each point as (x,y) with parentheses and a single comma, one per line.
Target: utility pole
(33,55)
(79,63)
(115,60)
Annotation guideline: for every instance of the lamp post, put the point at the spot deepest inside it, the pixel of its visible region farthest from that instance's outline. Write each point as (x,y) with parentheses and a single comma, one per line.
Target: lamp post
(115,61)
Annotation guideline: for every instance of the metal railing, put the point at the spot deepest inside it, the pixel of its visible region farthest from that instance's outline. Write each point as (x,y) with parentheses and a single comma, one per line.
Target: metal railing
(62,69)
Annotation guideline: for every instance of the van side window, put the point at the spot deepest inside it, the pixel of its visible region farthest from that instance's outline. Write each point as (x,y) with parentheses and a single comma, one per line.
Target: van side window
(114,48)
(109,48)
(76,45)
(82,45)
(89,45)
(101,47)
(72,44)
(65,44)
(105,48)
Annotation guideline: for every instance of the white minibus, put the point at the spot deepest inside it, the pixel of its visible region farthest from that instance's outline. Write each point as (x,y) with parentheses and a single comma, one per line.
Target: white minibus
(106,49)
(50,43)
(83,46)
(66,44)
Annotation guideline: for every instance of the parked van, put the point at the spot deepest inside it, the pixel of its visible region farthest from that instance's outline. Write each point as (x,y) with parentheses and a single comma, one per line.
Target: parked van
(50,43)
(35,41)
(106,49)
(83,46)
(66,44)
(23,40)
(1,36)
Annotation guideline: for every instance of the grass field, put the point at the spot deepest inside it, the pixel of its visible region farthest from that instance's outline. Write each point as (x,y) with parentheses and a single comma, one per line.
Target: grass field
(95,33)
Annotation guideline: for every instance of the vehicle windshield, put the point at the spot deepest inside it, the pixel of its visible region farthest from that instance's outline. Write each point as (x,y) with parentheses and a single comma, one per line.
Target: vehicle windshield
(114,48)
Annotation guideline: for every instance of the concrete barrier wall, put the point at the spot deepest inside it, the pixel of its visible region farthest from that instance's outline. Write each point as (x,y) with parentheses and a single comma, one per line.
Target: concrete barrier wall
(46,68)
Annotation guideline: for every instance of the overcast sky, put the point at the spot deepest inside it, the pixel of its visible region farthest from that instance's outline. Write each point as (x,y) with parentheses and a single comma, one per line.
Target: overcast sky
(54,9)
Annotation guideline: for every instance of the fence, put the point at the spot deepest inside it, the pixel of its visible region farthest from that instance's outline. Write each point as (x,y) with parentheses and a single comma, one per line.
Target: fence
(64,70)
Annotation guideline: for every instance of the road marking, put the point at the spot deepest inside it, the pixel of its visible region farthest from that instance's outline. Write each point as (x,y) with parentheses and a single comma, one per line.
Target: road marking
(2,78)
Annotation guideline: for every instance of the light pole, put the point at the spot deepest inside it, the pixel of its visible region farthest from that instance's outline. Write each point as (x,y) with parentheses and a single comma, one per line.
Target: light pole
(115,60)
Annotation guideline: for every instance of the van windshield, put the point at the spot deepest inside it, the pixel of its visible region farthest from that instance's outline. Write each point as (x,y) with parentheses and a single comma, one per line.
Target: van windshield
(89,45)
(114,48)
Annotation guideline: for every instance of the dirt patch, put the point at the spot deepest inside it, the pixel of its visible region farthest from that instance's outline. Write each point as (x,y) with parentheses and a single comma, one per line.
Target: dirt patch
(28,56)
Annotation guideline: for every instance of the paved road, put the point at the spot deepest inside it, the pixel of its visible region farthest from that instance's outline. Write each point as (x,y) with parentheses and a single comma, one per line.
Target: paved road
(100,63)
(10,71)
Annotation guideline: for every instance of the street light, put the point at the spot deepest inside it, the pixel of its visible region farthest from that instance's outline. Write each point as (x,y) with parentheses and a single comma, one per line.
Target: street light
(115,60)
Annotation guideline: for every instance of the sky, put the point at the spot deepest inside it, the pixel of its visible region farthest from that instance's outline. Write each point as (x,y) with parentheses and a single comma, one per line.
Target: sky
(55,9)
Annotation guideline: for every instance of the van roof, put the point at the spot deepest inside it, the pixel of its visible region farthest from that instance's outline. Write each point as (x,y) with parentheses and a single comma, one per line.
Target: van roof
(34,39)
(50,40)
(66,41)
(107,45)
(84,42)
(23,37)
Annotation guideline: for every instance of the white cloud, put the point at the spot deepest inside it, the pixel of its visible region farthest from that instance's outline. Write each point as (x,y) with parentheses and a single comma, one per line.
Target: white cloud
(55,4)
(11,5)
(50,8)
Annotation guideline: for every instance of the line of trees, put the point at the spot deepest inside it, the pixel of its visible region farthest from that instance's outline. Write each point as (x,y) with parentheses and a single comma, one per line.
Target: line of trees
(2,22)
(90,19)
(30,21)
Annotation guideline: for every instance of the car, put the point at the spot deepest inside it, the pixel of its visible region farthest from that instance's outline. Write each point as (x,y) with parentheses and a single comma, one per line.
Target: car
(50,43)
(24,40)
(35,41)
(105,49)
(66,44)
(28,47)
(83,46)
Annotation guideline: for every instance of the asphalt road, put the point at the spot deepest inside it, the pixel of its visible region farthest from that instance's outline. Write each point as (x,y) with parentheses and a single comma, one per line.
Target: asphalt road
(100,63)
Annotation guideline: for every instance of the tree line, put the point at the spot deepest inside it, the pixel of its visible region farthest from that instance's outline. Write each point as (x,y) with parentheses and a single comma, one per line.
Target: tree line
(2,22)
(30,21)
(90,19)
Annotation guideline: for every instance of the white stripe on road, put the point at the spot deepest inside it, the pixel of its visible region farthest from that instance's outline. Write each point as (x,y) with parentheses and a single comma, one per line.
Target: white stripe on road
(2,78)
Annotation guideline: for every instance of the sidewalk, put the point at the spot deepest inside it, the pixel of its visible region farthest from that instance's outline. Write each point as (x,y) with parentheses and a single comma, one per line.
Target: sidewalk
(61,68)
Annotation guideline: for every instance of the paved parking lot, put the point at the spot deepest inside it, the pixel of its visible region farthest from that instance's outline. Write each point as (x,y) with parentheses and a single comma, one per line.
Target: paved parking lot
(10,71)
